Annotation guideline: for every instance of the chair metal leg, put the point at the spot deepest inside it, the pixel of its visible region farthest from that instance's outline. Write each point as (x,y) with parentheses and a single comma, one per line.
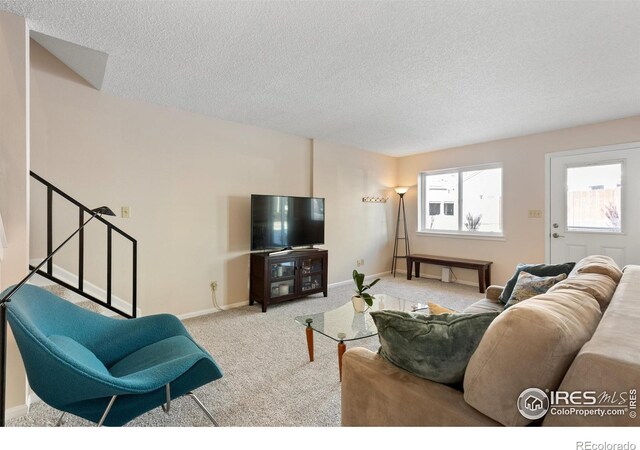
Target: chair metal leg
(164,408)
(203,408)
(106,411)
(167,408)
(60,422)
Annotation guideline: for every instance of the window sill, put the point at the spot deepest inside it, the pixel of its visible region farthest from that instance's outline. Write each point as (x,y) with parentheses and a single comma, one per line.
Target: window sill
(454,235)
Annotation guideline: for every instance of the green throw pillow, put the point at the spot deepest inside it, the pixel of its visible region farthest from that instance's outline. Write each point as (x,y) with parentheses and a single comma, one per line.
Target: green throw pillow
(529,286)
(539,270)
(437,348)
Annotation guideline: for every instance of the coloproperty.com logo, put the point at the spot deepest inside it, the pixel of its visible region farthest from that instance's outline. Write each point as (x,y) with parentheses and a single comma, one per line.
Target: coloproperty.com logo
(534,403)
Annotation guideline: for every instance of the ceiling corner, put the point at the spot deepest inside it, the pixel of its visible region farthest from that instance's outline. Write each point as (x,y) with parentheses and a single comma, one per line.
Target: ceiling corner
(90,64)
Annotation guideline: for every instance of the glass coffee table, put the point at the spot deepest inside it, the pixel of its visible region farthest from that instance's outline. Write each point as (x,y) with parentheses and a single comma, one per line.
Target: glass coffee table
(345,324)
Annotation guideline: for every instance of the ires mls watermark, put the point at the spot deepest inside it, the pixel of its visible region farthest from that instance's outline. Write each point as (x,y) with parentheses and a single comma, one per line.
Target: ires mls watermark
(534,403)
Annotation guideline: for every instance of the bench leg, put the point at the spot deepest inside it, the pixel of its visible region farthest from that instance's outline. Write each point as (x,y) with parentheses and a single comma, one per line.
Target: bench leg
(482,280)
(487,277)
(417,264)
(409,268)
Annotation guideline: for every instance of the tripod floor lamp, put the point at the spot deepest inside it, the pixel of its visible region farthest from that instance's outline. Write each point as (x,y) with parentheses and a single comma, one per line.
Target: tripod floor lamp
(103,210)
(400,190)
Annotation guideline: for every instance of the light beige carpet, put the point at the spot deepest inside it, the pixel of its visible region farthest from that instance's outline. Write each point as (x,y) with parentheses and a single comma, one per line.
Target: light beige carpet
(268,379)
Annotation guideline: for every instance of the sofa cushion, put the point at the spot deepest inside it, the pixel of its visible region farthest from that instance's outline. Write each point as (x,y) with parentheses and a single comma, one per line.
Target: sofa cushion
(435,347)
(531,344)
(494,292)
(484,305)
(540,270)
(529,286)
(377,393)
(600,286)
(600,264)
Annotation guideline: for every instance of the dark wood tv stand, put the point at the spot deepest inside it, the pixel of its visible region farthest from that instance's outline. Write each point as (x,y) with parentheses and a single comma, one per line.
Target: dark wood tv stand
(287,276)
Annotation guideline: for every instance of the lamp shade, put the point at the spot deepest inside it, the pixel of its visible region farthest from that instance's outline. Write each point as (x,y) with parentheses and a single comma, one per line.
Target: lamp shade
(401,189)
(104,211)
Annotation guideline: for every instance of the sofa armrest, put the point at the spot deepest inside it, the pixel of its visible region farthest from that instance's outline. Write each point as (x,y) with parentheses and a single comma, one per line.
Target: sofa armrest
(377,393)
(493,293)
(609,361)
(602,374)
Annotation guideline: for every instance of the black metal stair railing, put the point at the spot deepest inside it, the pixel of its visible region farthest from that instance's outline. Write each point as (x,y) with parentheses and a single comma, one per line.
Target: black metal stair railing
(110,229)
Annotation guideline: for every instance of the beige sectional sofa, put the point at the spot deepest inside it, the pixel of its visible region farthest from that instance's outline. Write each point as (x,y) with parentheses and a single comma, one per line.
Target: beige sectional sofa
(579,336)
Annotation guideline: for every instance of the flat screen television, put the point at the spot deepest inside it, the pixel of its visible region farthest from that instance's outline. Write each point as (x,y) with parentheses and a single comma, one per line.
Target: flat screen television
(282,222)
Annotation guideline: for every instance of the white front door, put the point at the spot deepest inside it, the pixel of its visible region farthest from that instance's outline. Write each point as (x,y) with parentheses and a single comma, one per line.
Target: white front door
(594,204)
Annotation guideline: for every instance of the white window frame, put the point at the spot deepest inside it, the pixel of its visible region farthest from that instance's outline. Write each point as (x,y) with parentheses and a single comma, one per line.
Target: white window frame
(423,202)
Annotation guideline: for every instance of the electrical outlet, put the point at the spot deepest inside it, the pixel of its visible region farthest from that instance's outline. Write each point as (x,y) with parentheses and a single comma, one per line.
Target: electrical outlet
(535,214)
(214,285)
(359,262)
(125,213)
(362,262)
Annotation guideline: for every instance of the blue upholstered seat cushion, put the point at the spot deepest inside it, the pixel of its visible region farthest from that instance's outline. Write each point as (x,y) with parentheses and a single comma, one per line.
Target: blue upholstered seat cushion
(435,347)
(174,354)
(81,355)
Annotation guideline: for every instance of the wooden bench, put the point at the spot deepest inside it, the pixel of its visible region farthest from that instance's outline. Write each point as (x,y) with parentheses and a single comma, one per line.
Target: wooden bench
(483,267)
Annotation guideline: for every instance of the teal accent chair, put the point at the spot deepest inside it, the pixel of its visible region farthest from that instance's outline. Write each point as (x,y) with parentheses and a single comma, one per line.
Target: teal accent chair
(108,371)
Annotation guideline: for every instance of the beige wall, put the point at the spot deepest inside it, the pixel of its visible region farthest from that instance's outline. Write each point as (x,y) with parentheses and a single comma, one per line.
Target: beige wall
(14,168)
(355,230)
(188,180)
(523,161)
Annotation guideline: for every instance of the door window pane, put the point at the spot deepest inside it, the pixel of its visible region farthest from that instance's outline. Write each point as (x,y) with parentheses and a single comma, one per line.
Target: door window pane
(594,198)
(482,200)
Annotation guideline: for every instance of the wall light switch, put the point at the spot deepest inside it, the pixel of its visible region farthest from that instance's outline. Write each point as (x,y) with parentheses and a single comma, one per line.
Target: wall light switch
(535,214)
(124,212)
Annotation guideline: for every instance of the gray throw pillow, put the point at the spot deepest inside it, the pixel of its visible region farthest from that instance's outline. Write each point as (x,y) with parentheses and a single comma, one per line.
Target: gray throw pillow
(437,348)
(529,286)
(539,270)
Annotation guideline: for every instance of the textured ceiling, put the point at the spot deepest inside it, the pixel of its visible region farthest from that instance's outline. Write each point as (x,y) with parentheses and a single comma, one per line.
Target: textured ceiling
(394,77)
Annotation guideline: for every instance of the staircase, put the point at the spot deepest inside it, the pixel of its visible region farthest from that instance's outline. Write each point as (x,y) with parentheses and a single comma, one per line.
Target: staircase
(65,288)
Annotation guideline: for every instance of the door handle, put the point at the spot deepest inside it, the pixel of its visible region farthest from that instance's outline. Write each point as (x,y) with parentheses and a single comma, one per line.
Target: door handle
(556,235)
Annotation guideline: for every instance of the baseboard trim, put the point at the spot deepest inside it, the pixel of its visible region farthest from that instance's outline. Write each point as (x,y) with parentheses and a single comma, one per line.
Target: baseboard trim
(32,398)
(89,288)
(16,411)
(22,410)
(367,277)
(204,312)
(436,277)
